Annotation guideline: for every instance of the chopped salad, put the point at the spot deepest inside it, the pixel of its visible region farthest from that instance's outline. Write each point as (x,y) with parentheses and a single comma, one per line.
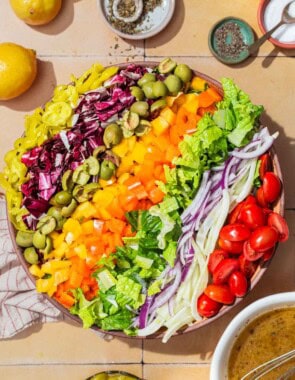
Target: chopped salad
(129,193)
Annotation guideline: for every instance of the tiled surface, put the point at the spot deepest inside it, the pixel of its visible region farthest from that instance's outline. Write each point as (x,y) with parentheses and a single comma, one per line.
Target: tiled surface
(70,44)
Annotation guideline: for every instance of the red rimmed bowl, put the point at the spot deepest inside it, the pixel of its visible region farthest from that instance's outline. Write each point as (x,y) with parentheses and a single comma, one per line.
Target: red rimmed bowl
(278,207)
(263,7)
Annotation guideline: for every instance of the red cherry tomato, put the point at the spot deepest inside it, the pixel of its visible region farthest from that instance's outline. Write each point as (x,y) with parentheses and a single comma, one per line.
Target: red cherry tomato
(279,223)
(220,293)
(238,284)
(267,255)
(250,253)
(207,307)
(235,213)
(271,186)
(235,232)
(265,165)
(224,269)
(250,200)
(252,216)
(247,267)
(234,247)
(215,258)
(263,238)
(261,198)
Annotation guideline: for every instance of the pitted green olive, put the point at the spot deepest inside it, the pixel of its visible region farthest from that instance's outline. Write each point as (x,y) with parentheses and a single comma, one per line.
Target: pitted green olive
(80,176)
(159,89)
(91,165)
(24,238)
(147,77)
(67,211)
(137,92)
(112,135)
(173,84)
(79,195)
(55,212)
(31,255)
(183,72)
(90,189)
(46,224)
(99,150)
(39,240)
(141,108)
(158,104)
(63,198)
(48,246)
(143,128)
(67,181)
(166,66)
(148,90)
(107,170)
(130,120)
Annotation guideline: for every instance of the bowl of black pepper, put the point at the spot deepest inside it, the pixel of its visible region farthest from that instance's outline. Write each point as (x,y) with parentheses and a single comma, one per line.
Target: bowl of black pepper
(136,19)
(229,40)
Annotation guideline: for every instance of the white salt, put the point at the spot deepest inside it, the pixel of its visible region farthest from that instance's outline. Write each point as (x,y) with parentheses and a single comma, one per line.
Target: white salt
(273,15)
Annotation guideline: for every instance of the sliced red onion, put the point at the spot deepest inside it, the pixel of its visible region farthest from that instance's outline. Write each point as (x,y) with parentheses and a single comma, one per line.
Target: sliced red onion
(144,312)
(258,152)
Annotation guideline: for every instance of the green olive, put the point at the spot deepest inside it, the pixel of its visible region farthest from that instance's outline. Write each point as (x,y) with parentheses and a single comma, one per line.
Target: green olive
(99,150)
(112,135)
(141,108)
(55,212)
(166,66)
(147,77)
(130,120)
(80,176)
(107,169)
(67,181)
(24,238)
(91,165)
(137,92)
(158,104)
(148,90)
(67,211)
(63,198)
(78,194)
(90,189)
(159,89)
(143,128)
(173,84)
(48,246)
(183,72)
(31,255)
(47,224)
(39,240)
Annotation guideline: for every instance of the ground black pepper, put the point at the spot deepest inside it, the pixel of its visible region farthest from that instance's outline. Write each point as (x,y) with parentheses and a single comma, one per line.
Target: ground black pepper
(229,40)
(126,10)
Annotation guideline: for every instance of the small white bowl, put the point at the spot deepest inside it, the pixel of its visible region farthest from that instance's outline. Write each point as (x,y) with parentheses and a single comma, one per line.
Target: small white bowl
(155,22)
(221,354)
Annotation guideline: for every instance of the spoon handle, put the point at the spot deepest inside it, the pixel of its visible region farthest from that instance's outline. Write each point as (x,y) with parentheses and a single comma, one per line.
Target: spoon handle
(261,40)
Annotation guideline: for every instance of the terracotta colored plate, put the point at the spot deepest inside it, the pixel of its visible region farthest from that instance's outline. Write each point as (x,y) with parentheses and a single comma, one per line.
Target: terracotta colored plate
(279,207)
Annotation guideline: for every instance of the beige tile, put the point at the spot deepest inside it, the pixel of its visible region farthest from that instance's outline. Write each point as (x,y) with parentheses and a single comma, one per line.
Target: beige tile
(176,372)
(187,34)
(65,343)
(51,72)
(62,372)
(79,29)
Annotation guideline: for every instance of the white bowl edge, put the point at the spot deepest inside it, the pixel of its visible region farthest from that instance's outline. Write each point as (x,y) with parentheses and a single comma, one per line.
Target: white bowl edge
(219,362)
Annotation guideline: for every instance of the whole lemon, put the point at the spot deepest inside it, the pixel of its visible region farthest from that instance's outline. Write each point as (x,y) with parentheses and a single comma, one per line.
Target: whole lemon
(18,69)
(36,12)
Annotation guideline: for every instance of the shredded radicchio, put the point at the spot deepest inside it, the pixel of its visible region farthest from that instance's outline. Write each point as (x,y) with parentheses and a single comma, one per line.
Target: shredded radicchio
(67,150)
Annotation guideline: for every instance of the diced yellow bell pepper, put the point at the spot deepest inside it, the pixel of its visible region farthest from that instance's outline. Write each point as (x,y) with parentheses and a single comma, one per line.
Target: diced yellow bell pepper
(87,227)
(83,211)
(58,239)
(139,152)
(36,271)
(123,177)
(192,103)
(60,251)
(73,226)
(159,125)
(81,251)
(54,265)
(61,275)
(168,115)
(103,197)
(46,285)
(131,142)
(121,149)
(198,84)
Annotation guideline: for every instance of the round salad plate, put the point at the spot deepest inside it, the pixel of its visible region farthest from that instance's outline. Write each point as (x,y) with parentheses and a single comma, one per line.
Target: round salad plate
(153,22)
(278,207)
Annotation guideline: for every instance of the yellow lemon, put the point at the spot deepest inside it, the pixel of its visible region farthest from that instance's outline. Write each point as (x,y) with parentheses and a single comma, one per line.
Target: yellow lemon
(18,69)
(36,12)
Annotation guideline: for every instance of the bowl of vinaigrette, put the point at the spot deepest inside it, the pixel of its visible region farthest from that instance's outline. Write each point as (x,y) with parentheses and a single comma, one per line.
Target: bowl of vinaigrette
(260,332)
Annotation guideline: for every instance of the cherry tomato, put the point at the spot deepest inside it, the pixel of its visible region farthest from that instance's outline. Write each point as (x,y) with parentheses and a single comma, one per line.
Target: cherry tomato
(235,247)
(267,255)
(235,232)
(247,267)
(250,253)
(265,165)
(235,213)
(261,198)
(238,284)
(215,258)
(207,307)
(250,200)
(252,216)
(276,221)
(263,238)
(271,186)
(224,269)
(220,293)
